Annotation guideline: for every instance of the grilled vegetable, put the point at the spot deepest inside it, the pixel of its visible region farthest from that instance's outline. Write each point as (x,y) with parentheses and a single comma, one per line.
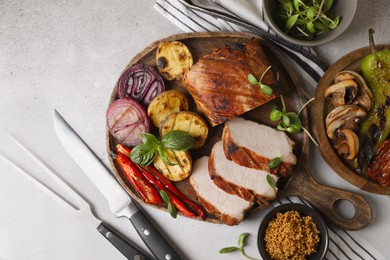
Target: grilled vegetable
(146,191)
(140,82)
(166,103)
(188,122)
(181,165)
(165,182)
(173,60)
(374,130)
(127,120)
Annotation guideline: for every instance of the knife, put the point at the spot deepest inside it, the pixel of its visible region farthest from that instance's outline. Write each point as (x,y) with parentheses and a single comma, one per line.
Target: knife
(129,250)
(121,205)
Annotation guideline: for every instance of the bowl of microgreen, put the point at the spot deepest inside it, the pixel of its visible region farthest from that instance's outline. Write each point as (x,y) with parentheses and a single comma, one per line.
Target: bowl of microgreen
(309,22)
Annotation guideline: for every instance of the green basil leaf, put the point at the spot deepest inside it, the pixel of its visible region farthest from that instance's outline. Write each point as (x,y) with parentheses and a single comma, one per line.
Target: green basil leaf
(149,138)
(327,5)
(228,249)
(177,140)
(143,154)
(275,162)
(165,196)
(241,240)
(172,210)
(163,153)
(291,22)
(275,115)
(271,181)
(266,89)
(252,79)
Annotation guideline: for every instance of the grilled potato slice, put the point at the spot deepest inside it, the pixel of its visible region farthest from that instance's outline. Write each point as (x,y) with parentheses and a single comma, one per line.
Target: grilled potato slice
(173,60)
(189,122)
(166,103)
(182,165)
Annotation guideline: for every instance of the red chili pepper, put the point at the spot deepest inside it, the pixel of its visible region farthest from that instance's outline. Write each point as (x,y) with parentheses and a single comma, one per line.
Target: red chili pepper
(174,200)
(166,183)
(169,185)
(147,192)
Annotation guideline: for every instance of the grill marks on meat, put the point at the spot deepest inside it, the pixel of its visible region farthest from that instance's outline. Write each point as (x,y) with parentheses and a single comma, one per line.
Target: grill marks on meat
(253,145)
(219,85)
(247,183)
(229,208)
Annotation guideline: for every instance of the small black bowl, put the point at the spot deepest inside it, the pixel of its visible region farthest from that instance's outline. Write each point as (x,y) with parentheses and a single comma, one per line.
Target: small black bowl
(304,210)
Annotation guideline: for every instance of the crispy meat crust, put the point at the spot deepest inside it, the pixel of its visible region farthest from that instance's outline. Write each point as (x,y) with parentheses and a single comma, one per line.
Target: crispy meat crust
(219,85)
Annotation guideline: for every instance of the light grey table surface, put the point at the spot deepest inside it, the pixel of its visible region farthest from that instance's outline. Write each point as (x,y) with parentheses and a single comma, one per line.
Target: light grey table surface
(68,55)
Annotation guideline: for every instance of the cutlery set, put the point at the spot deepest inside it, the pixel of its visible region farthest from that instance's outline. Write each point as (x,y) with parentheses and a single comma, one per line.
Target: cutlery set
(120,202)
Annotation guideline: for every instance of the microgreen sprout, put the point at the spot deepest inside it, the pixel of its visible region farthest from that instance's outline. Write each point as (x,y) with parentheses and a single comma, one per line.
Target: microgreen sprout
(289,121)
(307,18)
(263,87)
(171,209)
(240,247)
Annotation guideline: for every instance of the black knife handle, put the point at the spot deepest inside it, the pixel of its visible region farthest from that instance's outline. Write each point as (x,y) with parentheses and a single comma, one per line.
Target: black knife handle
(128,250)
(152,238)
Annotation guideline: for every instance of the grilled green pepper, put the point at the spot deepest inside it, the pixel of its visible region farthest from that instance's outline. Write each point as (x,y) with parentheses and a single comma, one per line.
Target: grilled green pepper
(374,130)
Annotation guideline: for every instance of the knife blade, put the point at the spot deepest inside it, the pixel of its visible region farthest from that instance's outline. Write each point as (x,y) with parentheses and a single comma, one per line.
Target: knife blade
(129,250)
(120,203)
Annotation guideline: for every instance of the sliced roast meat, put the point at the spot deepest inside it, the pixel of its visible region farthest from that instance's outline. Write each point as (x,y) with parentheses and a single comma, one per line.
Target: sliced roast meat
(230,209)
(247,183)
(219,84)
(254,145)
(127,120)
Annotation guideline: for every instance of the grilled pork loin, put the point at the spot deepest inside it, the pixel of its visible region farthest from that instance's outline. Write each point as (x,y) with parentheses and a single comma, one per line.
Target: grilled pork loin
(253,145)
(218,82)
(247,183)
(230,209)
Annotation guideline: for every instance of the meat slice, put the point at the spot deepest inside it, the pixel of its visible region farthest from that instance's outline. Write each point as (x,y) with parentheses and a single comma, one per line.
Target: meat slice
(247,183)
(253,145)
(218,82)
(230,209)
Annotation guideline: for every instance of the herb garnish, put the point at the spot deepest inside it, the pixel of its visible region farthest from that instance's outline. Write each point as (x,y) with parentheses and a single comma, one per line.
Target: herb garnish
(275,162)
(264,88)
(171,209)
(271,182)
(241,243)
(290,121)
(307,19)
(143,154)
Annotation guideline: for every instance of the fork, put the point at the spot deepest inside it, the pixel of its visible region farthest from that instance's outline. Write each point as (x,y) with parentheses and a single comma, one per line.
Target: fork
(83,207)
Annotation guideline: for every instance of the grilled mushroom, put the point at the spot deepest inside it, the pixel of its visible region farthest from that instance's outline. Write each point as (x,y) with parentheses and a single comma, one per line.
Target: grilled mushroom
(347,144)
(344,117)
(342,92)
(364,96)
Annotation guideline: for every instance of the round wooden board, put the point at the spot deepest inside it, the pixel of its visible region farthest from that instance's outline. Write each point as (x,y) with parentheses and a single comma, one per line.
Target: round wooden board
(301,181)
(322,107)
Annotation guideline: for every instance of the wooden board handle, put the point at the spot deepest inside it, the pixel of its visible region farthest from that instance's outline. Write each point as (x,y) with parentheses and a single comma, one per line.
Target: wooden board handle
(324,198)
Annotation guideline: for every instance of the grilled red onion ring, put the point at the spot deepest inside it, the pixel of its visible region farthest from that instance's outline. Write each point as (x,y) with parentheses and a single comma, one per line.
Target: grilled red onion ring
(140,82)
(127,120)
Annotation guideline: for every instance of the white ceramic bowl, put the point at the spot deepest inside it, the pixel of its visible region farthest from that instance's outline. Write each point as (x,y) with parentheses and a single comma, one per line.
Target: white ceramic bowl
(345,9)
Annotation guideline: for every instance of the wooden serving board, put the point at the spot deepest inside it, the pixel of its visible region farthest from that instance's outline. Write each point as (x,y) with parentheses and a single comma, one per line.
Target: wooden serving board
(322,106)
(301,183)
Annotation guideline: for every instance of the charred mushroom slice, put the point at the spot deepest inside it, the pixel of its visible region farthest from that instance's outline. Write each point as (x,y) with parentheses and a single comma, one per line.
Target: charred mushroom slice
(342,92)
(347,144)
(364,96)
(344,117)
